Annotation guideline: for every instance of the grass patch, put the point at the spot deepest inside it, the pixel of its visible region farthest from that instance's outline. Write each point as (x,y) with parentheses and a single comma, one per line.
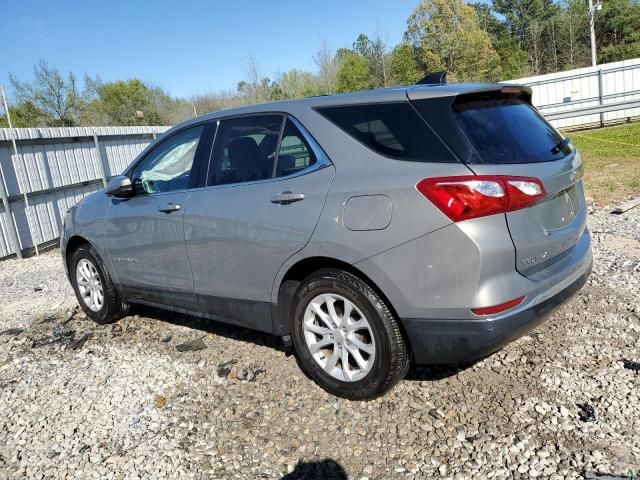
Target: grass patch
(612,162)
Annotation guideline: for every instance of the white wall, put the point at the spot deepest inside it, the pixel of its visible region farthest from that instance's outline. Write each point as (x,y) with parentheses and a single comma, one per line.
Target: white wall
(620,83)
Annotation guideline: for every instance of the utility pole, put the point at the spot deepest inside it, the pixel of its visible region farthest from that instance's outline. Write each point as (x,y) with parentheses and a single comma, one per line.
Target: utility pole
(4,195)
(6,107)
(592,30)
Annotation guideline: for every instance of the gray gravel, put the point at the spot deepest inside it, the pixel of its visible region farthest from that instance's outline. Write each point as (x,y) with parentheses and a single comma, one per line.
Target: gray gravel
(78,400)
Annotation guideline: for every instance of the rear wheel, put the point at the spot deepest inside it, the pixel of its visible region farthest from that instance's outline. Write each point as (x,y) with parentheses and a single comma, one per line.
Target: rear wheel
(346,337)
(95,291)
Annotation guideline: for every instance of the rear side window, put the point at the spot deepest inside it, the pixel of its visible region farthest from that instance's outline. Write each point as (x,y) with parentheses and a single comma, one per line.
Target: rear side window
(505,129)
(295,153)
(245,149)
(391,129)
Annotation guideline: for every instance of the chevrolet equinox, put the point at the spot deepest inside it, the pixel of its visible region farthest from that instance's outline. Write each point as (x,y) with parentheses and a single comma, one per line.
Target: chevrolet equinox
(425,224)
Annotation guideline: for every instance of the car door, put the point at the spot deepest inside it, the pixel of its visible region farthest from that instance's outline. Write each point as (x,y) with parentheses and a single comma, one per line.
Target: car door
(145,233)
(259,208)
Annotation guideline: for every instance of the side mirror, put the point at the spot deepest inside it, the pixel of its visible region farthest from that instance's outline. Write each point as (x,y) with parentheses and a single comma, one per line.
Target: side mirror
(120,187)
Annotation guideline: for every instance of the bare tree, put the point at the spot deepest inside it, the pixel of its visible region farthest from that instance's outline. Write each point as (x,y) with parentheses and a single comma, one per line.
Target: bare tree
(382,59)
(56,97)
(327,68)
(535,38)
(256,89)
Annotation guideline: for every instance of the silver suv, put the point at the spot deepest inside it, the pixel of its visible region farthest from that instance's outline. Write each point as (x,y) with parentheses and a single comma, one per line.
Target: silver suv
(430,223)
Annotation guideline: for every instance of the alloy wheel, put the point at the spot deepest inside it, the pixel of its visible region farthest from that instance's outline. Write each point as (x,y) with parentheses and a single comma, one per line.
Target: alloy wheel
(339,337)
(90,285)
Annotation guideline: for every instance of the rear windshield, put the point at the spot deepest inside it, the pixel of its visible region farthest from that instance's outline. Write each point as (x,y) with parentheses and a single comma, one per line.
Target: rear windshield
(391,129)
(505,129)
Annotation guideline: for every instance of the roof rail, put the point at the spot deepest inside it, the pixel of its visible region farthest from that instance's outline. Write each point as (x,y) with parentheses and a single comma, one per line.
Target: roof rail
(435,78)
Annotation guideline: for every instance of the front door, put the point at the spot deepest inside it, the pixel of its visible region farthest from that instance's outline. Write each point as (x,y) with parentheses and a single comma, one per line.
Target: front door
(253,215)
(145,233)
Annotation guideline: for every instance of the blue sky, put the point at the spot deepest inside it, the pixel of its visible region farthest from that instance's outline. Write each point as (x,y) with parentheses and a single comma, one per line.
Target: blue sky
(185,47)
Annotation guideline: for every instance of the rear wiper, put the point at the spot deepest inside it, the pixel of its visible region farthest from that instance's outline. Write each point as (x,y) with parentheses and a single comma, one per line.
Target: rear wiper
(561,145)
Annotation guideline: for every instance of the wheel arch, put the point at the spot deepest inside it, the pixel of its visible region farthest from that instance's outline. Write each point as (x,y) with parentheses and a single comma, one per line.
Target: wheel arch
(300,270)
(72,244)
(76,241)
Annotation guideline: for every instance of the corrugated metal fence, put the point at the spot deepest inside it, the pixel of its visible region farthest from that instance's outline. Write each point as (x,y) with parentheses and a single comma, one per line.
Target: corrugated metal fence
(591,96)
(46,170)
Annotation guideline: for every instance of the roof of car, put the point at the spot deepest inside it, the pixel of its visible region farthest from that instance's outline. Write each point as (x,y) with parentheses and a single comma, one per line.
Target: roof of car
(379,95)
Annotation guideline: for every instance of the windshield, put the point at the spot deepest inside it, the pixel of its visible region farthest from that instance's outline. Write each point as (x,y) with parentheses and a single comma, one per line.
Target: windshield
(505,129)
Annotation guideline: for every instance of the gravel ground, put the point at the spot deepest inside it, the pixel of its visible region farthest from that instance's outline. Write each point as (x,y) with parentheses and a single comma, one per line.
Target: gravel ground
(79,400)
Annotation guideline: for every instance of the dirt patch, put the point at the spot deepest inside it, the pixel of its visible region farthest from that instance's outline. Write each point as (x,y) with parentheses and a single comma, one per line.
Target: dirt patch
(627,247)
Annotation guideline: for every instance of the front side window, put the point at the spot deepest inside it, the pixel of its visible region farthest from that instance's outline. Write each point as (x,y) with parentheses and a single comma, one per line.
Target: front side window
(295,153)
(245,149)
(168,166)
(391,129)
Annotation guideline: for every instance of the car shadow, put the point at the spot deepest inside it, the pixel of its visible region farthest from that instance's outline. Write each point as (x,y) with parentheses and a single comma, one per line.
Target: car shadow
(243,334)
(234,332)
(323,469)
(431,373)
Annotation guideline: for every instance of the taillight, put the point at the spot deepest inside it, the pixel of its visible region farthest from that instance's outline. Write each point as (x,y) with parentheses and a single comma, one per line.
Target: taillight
(472,196)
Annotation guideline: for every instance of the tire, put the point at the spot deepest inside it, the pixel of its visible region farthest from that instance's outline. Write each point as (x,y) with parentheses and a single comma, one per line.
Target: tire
(111,307)
(383,355)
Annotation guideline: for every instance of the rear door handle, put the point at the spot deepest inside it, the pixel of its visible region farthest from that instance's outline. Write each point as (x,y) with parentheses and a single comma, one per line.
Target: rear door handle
(169,208)
(285,198)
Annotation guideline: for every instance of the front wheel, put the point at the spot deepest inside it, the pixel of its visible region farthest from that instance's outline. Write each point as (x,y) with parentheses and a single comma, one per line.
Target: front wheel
(346,337)
(95,291)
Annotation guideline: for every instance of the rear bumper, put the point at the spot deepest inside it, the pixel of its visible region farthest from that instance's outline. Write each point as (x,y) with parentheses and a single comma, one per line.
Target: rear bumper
(455,341)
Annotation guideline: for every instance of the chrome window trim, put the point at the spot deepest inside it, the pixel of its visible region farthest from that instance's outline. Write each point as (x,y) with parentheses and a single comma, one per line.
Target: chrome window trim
(322,160)
(156,143)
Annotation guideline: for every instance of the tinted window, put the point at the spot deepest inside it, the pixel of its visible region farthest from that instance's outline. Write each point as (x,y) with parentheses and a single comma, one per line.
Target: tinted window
(507,130)
(392,129)
(168,166)
(295,153)
(245,149)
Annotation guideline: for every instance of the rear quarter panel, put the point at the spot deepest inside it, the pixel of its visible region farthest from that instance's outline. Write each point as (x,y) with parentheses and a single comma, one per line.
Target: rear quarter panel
(361,171)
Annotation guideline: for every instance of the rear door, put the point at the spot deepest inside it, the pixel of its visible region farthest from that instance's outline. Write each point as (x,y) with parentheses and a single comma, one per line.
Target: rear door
(260,207)
(502,134)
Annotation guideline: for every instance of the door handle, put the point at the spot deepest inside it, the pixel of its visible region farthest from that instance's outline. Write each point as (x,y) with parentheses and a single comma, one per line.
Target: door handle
(285,198)
(169,208)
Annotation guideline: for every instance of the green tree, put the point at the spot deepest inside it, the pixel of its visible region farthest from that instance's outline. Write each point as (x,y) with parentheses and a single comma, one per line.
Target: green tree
(573,19)
(129,102)
(618,30)
(404,68)
(353,73)
(519,14)
(514,62)
(621,51)
(24,115)
(375,53)
(446,35)
(54,97)
(295,84)
(529,23)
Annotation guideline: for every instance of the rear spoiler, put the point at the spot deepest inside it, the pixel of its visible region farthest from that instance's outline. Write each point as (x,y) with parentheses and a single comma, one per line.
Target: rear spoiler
(519,91)
(465,90)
